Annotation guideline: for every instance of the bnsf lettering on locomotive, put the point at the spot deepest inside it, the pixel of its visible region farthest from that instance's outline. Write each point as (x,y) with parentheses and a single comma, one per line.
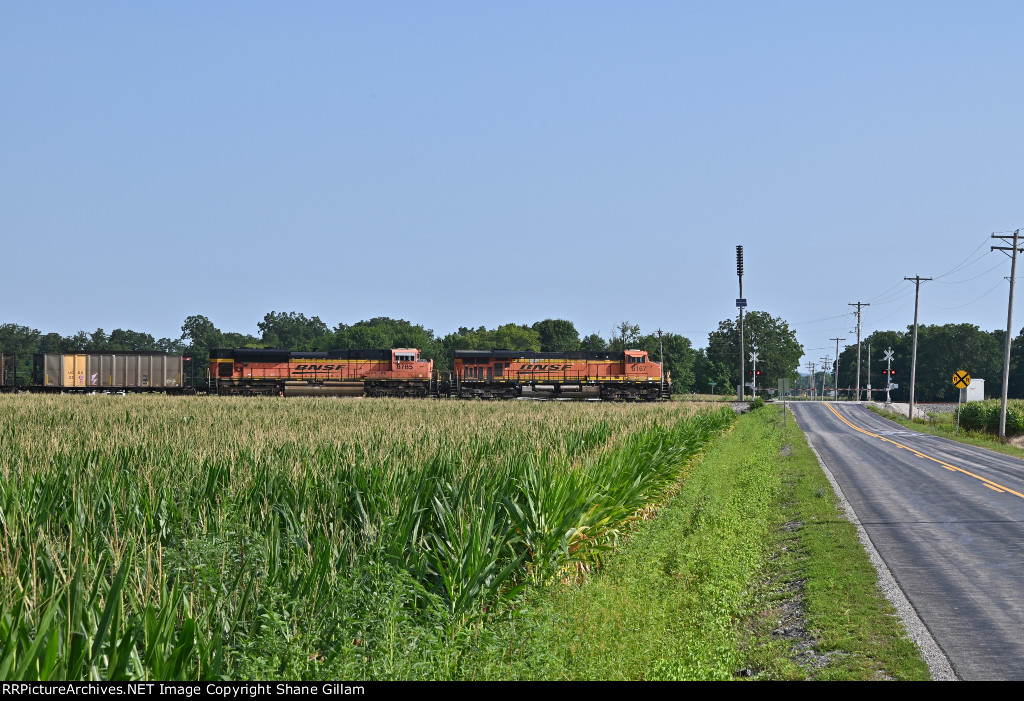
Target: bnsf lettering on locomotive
(545,368)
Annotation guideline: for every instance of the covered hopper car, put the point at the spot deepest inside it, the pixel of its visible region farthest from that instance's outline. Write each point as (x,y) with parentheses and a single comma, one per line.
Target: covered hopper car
(396,372)
(109,371)
(611,375)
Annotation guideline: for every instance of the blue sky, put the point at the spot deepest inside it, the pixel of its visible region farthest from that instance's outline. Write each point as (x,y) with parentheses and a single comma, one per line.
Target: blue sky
(459,163)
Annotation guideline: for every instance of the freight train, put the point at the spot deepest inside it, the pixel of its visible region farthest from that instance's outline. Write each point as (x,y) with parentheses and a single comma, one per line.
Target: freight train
(628,375)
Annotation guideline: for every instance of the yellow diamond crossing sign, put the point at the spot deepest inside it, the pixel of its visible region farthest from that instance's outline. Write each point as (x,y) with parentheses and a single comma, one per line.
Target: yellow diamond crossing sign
(961,379)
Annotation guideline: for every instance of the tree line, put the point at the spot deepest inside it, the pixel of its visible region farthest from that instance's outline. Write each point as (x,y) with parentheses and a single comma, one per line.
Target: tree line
(693,370)
(941,351)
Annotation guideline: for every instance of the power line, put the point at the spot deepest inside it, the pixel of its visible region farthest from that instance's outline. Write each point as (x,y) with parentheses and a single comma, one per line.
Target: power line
(894,298)
(958,282)
(827,318)
(975,299)
(882,294)
(961,263)
(892,313)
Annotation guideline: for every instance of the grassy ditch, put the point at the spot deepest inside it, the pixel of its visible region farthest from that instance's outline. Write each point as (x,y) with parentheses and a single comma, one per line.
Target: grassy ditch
(748,572)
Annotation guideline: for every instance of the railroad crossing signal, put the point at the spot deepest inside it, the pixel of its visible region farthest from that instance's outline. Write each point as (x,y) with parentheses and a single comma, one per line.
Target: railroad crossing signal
(753,357)
(961,379)
(889,372)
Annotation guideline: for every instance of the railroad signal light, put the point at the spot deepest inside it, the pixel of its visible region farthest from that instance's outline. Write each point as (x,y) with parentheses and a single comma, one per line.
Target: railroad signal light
(758,372)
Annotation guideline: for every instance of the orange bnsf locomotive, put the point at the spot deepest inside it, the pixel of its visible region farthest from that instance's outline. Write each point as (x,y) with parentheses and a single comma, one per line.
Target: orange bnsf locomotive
(398,372)
(623,375)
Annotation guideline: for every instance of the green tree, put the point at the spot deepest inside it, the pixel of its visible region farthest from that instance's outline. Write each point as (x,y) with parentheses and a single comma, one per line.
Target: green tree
(624,335)
(171,345)
(593,342)
(54,343)
(381,332)
(770,337)
(680,358)
(505,337)
(291,330)
(706,371)
(199,332)
(200,336)
(23,342)
(557,335)
(514,337)
(233,339)
(98,341)
(128,340)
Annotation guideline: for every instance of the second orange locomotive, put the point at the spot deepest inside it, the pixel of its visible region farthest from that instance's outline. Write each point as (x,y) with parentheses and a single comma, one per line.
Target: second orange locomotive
(612,375)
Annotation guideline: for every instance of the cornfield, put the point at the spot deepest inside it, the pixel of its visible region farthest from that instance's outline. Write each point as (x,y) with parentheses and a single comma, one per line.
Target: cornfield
(188,538)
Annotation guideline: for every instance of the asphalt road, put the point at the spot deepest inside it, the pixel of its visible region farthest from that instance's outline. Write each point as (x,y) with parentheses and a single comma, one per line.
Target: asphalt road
(947,519)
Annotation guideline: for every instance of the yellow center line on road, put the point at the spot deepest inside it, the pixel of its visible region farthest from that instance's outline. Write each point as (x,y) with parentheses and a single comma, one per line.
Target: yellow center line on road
(987,482)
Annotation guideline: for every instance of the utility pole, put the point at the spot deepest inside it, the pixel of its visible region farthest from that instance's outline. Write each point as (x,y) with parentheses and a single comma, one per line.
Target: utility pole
(1009,324)
(814,381)
(869,371)
(824,372)
(741,303)
(858,305)
(836,375)
(917,280)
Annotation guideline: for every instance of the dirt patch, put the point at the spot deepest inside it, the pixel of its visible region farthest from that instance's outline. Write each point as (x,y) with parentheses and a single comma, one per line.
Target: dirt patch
(792,627)
(786,451)
(786,619)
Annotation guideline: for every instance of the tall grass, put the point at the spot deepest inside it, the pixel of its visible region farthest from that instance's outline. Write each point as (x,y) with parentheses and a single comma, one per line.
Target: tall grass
(158,538)
(984,416)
